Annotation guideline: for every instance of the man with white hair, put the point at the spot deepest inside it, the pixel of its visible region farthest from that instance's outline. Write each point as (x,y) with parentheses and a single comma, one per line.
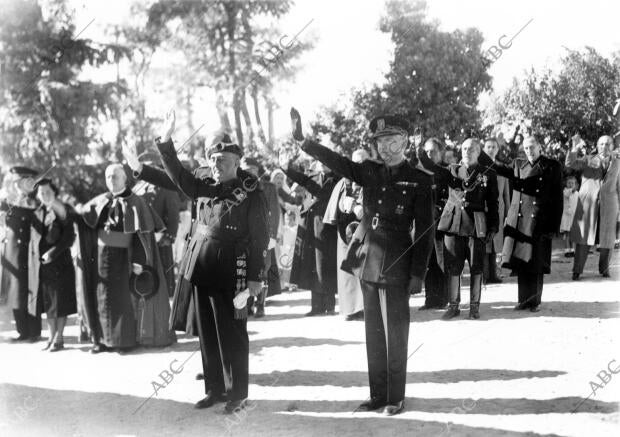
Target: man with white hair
(123,295)
(533,218)
(469,221)
(599,200)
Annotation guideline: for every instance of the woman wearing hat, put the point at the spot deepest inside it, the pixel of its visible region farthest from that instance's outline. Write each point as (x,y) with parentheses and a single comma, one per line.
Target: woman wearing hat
(51,276)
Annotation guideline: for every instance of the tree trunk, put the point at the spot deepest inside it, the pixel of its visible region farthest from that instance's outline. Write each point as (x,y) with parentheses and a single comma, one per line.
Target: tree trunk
(237,113)
(270,108)
(259,123)
(248,122)
(231,9)
(220,105)
(189,109)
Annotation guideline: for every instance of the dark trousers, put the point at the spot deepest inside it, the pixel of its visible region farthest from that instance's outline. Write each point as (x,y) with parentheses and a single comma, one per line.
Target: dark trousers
(224,343)
(435,284)
(322,302)
(386,351)
(26,324)
(489,267)
(273,274)
(581,256)
(530,288)
(460,248)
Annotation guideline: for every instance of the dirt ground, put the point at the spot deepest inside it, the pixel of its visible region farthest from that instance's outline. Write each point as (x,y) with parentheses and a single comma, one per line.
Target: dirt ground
(508,374)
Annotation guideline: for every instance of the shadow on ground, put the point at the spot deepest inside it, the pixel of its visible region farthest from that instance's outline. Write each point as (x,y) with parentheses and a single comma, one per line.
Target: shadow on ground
(113,414)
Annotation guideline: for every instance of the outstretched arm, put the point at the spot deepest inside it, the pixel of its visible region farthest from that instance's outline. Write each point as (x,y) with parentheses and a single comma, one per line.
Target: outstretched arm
(358,173)
(182,178)
(500,169)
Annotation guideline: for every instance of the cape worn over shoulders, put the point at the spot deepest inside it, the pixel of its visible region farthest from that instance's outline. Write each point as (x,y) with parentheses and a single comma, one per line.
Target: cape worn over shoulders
(138,216)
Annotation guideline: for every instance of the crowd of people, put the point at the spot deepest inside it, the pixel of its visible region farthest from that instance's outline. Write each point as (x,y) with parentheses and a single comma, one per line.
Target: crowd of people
(372,229)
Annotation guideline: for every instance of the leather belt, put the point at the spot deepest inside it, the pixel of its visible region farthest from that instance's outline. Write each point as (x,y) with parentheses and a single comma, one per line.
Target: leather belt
(379,223)
(211,233)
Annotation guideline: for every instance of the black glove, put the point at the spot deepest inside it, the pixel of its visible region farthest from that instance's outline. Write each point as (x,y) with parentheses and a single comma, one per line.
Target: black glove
(296,125)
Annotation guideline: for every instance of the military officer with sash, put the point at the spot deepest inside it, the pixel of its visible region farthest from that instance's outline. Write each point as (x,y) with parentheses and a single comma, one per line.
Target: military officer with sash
(469,221)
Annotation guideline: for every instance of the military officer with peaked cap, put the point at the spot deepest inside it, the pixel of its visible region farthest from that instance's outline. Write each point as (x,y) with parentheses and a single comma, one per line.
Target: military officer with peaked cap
(389,261)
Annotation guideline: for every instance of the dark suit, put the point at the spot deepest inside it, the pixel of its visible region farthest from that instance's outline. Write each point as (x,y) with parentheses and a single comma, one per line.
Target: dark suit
(436,292)
(314,261)
(385,256)
(533,218)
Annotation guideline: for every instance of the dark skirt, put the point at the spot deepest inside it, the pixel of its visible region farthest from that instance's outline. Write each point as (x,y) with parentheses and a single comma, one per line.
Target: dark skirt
(57,287)
(117,321)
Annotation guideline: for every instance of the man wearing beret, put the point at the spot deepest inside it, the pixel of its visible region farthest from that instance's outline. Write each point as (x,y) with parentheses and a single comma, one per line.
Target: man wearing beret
(226,255)
(389,261)
(16,215)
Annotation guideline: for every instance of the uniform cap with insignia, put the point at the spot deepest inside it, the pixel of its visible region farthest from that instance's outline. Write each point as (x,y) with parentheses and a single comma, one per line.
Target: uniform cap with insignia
(223,143)
(388,125)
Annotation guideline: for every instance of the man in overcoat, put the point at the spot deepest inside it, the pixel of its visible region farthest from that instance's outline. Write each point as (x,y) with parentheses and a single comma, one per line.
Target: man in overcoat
(436,293)
(16,216)
(533,219)
(597,210)
(314,262)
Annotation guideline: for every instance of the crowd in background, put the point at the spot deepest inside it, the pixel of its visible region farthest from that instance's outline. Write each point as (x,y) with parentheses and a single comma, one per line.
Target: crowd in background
(314,214)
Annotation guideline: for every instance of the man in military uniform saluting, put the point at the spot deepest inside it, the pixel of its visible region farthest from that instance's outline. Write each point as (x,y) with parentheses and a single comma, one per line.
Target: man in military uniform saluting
(533,218)
(382,253)
(227,253)
(469,221)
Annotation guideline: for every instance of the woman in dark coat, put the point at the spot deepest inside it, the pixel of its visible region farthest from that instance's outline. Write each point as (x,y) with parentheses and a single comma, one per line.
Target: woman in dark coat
(51,276)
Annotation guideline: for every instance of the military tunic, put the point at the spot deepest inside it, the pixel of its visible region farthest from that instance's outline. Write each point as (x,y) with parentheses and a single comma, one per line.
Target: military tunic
(470,213)
(226,250)
(383,253)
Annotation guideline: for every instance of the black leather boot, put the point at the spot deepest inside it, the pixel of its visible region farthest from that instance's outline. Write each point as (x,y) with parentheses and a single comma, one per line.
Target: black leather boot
(475,288)
(260,304)
(454,287)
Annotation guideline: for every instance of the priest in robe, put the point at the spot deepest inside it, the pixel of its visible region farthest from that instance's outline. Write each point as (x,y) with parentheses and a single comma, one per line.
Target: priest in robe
(123,295)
